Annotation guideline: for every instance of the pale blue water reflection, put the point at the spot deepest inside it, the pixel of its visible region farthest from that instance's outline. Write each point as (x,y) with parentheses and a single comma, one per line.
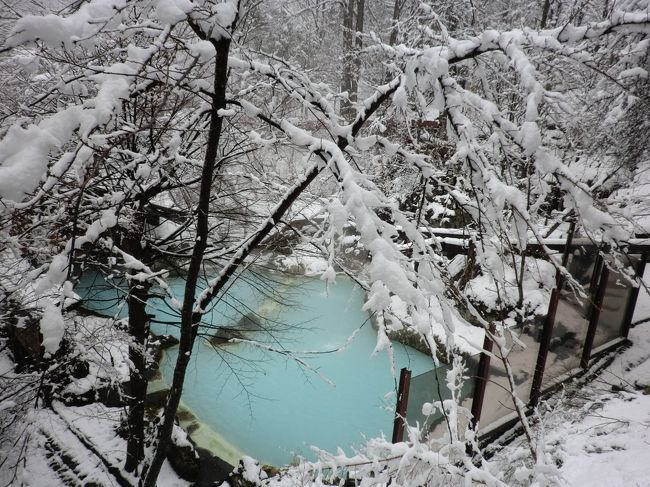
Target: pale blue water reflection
(265,403)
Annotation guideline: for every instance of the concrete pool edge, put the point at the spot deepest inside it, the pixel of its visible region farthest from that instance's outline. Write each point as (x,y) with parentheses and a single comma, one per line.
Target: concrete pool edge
(202,435)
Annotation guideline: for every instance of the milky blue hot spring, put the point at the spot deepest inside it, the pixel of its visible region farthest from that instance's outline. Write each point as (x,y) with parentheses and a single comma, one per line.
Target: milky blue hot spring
(264,403)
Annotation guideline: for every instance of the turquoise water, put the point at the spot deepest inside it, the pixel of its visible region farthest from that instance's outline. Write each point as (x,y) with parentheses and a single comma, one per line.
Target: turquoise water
(267,405)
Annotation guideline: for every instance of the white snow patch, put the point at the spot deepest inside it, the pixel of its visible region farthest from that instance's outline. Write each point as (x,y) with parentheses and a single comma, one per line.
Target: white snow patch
(52,328)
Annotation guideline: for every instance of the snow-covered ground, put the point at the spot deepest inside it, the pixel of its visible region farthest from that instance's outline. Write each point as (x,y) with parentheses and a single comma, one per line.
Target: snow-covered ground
(61,449)
(608,444)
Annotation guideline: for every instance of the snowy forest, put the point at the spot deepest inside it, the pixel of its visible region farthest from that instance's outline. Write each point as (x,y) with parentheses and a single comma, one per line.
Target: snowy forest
(224,222)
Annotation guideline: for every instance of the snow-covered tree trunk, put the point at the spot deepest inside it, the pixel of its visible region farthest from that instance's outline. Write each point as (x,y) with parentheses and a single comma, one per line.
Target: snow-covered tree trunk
(353,20)
(139,332)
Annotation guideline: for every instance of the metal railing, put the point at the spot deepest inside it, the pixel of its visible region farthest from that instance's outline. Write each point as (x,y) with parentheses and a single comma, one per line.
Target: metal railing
(557,348)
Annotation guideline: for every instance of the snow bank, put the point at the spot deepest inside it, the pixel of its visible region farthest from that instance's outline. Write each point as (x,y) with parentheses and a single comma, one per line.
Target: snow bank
(500,290)
(466,338)
(52,328)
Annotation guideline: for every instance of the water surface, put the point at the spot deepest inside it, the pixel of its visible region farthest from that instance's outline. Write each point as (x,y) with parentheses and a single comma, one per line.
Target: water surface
(268,405)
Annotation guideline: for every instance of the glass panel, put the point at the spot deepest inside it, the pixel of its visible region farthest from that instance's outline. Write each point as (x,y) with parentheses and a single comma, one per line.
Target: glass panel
(430,387)
(612,311)
(523,358)
(642,307)
(571,319)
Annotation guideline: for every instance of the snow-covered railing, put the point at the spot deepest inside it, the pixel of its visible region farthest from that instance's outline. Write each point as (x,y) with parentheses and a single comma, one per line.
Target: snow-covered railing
(580,326)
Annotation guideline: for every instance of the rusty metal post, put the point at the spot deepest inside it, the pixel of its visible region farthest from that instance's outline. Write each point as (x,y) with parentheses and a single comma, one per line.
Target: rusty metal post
(482,377)
(549,323)
(544,346)
(402,403)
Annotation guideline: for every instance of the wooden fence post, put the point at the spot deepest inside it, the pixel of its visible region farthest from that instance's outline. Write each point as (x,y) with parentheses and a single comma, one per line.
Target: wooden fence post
(549,323)
(482,377)
(402,403)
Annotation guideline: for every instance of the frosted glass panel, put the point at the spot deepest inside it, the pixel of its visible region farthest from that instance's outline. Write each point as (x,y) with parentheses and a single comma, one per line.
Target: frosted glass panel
(431,387)
(612,311)
(522,358)
(571,319)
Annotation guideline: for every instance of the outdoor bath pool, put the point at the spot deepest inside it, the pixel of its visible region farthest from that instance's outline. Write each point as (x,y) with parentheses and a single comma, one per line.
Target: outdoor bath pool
(266,404)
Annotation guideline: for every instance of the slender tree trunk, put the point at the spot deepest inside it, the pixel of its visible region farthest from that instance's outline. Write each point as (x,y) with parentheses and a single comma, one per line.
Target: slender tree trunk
(139,331)
(358,45)
(348,43)
(397,11)
(546,7)
(189,321)
(353,18)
